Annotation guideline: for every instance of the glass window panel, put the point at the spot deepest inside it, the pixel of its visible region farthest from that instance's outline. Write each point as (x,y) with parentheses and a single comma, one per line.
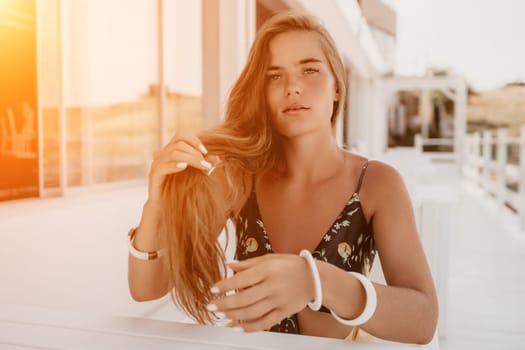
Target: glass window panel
(110,78)
(18,100)
(108,58)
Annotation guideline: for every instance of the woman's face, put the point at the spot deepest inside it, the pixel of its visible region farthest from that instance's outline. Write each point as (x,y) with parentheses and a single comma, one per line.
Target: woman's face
(300,87)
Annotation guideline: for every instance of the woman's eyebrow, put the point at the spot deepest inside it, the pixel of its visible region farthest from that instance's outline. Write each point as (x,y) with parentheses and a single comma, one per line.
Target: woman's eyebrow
(309,60)
(301,62)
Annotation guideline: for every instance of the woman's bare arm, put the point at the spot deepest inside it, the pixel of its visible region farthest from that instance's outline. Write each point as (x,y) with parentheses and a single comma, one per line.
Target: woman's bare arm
(407,308)
(148,280)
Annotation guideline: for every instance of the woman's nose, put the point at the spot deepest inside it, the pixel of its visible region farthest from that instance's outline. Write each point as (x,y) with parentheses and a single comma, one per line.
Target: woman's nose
(293,88)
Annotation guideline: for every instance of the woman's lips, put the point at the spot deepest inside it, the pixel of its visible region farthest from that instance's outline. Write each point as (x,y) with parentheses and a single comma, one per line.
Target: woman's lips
(295,109)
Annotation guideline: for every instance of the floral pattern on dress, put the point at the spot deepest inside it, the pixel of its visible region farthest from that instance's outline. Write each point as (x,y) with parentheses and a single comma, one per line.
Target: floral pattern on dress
(348,244)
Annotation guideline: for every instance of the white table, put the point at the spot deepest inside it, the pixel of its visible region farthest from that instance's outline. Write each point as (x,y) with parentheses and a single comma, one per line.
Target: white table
(23,327)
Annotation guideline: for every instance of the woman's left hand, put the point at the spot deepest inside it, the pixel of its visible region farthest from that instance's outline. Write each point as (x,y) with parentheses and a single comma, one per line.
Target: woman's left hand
(268,289)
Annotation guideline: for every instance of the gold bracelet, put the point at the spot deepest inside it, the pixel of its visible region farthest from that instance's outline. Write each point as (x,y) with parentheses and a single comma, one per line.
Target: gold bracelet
(137,253)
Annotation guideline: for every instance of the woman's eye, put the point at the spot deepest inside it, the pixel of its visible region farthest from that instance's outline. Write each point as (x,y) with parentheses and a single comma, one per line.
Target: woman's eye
(310,71)
(274,77)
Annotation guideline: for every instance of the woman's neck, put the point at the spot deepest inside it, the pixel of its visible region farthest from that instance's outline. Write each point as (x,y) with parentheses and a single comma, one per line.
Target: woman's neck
(311,158)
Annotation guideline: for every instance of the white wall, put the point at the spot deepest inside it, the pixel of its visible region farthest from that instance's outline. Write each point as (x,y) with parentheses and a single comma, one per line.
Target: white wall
(359,125)
(378,133)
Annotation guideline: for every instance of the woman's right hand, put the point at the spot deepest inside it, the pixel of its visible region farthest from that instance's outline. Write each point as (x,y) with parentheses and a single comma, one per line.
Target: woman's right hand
(184,149)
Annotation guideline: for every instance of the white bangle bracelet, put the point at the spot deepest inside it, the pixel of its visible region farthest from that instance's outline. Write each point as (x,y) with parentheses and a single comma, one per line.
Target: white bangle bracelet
(370,306)
(318,300)
(142,255)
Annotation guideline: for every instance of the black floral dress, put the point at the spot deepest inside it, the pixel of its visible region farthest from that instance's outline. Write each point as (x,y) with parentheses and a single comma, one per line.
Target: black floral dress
(348,244)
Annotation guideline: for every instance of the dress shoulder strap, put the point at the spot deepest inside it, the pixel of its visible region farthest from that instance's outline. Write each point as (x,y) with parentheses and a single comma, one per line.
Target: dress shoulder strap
(363,170)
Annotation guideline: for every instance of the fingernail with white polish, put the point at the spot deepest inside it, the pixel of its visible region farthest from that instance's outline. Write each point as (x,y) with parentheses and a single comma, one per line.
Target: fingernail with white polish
(232,261)
(203,149)
(212,307)
(182,165)
(206,164)
(238,329)
(220,315)
(214,290)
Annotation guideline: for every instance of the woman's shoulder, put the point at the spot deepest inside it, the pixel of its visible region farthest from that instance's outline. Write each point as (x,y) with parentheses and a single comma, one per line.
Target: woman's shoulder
(382,172)
(374,168)
(381,182)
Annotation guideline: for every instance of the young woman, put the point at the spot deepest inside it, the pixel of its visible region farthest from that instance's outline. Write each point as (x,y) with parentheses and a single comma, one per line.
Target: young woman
(274,169)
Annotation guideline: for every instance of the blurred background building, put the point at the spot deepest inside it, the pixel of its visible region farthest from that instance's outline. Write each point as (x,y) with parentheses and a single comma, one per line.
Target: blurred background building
(112,81)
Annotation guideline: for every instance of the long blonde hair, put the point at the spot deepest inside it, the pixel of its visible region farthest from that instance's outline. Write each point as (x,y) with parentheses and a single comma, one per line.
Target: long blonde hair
(195,207)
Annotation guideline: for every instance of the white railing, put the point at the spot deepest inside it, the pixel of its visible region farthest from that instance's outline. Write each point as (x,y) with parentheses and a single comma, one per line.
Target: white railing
(494,174)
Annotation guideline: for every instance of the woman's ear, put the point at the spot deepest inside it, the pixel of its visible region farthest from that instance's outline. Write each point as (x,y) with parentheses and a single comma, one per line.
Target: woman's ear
(337,95)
